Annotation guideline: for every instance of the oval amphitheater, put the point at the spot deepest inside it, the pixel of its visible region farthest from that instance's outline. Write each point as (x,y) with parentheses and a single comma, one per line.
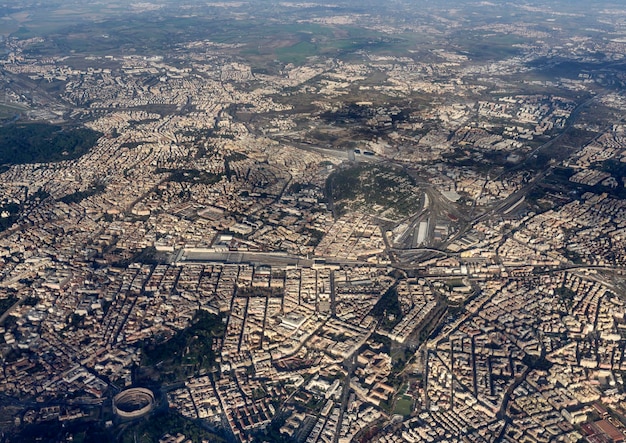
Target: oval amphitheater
(133,403)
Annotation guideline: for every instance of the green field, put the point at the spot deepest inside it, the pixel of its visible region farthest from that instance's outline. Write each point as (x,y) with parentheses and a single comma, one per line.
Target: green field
(404,406)
(261,40)
(483,46)
(297,53)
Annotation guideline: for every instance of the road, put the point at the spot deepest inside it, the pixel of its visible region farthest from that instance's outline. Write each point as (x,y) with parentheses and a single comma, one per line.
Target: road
(190,256)
(349,364)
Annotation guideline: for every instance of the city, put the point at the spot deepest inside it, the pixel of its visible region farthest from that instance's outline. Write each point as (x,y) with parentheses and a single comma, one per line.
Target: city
(301,222)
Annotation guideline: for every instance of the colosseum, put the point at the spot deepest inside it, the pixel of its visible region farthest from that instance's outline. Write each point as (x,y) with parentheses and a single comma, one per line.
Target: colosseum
(133,403)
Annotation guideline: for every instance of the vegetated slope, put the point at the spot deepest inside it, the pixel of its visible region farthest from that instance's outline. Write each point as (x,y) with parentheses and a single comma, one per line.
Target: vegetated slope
(377,189)
(44,143)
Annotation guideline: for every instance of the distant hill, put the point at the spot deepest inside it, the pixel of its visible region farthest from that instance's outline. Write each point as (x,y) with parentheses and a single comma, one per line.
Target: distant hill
(44,143)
